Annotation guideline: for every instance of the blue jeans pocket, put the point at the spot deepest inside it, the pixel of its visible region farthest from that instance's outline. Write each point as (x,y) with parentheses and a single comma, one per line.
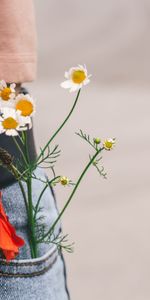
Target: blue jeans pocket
(38,279)
(25,278)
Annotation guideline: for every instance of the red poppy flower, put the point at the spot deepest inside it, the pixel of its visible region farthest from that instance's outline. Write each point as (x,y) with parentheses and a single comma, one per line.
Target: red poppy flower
(9,241)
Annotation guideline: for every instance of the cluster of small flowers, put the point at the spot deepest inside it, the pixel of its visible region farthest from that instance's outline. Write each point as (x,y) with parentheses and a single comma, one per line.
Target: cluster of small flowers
(108,144)
(15,110)
(76,78)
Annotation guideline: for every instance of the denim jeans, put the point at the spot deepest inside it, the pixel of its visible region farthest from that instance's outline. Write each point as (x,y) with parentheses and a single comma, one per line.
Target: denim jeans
(25,278)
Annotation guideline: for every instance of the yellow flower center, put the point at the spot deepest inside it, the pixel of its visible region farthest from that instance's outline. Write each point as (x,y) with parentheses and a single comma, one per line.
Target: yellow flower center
(10,123)
(78,76)
(64,180)
(5,93)
(25,106)
(108,144)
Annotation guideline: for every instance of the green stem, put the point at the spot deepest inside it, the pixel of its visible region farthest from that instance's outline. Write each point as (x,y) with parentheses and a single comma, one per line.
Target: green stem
(23,194)
(41,194)
(71,196)
(16,173)
(33,254)
(20,138)
(31,221)
(39,199)
(26,147)
(20,150)
(60,127)
(33,244)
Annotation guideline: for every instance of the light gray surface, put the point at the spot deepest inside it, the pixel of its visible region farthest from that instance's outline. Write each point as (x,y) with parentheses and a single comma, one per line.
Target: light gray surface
(111,37)
(108,220)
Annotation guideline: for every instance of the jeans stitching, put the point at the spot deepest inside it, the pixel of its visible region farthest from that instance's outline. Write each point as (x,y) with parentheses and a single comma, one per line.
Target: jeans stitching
(26,264)
(33,274)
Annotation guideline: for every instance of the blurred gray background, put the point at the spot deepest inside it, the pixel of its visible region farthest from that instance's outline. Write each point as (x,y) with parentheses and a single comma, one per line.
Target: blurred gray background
(109,220)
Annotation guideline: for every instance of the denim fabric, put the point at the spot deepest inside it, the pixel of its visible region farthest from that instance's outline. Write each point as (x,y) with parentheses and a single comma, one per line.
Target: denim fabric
(25,278)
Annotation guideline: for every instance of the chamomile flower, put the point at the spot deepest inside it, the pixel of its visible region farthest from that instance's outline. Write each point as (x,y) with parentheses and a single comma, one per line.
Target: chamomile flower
(76,78)
(11,122)
(109,144)
(7,94)
(64,180)
(26,106)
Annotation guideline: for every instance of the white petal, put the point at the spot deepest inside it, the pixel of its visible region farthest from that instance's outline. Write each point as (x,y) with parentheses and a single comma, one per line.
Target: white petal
(3,84)
(8,112)
(86,81)
(22,128)
(66,84)
(5,111)
(74,88)
(2,130)
(28,97)
(12,96)
(81,67)
(18,113)
(6,104)
(11,132)
(24,120)
(66,75)
(30,125)
(20,96)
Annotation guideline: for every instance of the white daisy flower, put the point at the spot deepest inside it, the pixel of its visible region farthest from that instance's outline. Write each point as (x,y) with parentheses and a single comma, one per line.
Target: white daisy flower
(26,106)
(109,144)
(11,122)
(76,77)
(7,94)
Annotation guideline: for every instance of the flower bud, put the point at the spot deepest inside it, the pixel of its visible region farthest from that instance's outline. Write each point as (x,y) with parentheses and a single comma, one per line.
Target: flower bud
(95,163)
(97,141)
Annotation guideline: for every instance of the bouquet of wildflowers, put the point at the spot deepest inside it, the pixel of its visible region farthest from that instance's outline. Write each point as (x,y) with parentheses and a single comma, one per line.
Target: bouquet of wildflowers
(16,112)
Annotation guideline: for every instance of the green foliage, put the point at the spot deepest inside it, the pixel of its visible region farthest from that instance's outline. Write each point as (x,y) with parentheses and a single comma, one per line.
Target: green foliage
(48,157)
(97,147)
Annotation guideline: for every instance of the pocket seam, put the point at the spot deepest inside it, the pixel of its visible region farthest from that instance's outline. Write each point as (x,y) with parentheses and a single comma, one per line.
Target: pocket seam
(43,264)
(33,274)
(30,263)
